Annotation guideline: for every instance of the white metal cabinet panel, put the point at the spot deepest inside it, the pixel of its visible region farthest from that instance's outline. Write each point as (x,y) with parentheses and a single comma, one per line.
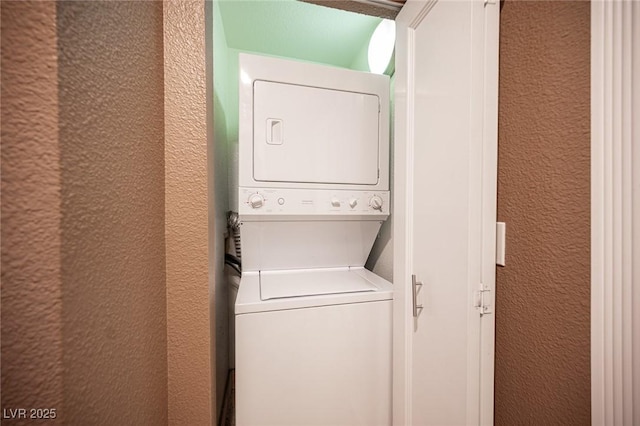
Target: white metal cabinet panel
(314,135)
(445,197)
(278,245)
(329,365)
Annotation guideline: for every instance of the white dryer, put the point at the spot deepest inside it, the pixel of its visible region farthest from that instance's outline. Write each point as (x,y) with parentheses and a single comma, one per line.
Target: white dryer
(313,326)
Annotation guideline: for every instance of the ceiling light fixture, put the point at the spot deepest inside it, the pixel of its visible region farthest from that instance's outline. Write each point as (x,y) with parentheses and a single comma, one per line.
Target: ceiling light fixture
(381,46)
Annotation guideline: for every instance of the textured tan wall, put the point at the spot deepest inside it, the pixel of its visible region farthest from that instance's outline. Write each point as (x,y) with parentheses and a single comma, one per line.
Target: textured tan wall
(542,310)
(112,163)
(93,312)
(30,198)
(191,393)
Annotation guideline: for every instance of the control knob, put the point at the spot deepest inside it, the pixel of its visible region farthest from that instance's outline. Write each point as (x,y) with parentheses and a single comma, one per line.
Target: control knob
(256,201)
(375,202)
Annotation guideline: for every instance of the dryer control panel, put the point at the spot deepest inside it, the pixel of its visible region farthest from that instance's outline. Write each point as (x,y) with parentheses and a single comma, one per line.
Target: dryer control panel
(276,201)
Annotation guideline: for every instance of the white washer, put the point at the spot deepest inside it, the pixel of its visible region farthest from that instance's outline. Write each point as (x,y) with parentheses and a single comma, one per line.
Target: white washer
(313,347)
(313,327)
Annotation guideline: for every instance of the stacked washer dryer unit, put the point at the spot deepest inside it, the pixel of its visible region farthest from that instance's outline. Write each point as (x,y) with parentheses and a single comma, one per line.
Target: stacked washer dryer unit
(313,326)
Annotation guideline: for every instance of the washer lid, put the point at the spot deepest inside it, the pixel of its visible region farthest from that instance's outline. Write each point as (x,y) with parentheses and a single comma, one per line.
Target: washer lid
(249,299)
(299,283)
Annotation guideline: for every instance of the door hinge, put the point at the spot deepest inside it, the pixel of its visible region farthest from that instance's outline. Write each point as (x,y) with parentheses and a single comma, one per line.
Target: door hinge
(486,2)
(483,300)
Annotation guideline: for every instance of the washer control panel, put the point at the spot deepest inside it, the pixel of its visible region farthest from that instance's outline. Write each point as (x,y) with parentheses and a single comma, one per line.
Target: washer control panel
(312,201)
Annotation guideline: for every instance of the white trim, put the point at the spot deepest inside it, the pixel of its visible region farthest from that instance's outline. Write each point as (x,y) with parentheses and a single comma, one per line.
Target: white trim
(486,30)
(489,205)
(615,208)
(407,21)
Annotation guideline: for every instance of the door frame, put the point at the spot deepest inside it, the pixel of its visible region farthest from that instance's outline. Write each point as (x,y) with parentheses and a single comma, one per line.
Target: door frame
(407,21)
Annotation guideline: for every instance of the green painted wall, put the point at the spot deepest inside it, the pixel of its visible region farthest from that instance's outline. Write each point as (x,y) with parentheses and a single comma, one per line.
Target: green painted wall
(294,29)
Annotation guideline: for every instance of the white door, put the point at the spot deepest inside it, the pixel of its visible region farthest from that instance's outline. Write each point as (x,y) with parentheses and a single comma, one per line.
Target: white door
(445,211)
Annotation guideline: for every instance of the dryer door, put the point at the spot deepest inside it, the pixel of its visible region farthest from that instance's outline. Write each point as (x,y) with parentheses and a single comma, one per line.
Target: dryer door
(305,134)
